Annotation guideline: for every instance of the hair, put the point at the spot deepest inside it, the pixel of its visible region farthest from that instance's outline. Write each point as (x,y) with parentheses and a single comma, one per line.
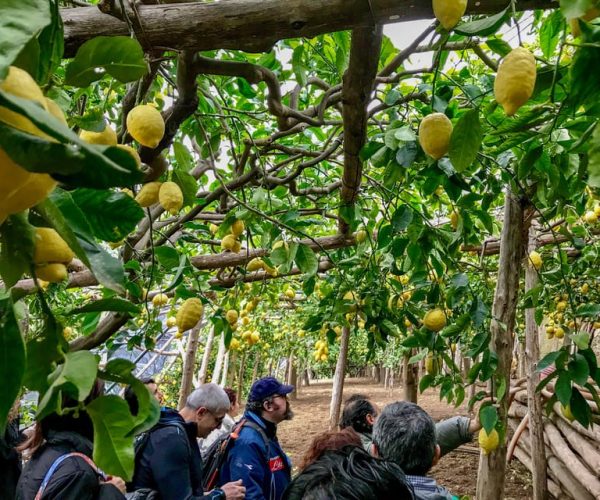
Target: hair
(405,434)
(231,394)
(350,473)
(209,396)
(329,441)
(354,414)
(132,399)
(79,422)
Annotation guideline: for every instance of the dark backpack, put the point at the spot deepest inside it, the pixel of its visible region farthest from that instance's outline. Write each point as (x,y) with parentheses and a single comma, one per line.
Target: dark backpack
(141,440)
(218,451)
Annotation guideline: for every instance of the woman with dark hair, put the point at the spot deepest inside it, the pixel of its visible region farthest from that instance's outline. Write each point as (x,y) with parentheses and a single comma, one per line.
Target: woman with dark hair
(350,473)
(60,466)
(329,441)
(360,414)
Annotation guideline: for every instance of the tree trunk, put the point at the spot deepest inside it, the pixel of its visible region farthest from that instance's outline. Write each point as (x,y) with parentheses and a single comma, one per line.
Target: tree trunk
(189,363)
(206,357)
(240,387)
(216,376)
(255,367)
(252,25)
(292,377)
(534,400)
(492,467)
(410,375)
(338,380)
(223,382)
(377,374)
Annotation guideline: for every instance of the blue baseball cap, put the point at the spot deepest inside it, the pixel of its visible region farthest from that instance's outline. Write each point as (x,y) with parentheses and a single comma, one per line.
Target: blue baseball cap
(267,387)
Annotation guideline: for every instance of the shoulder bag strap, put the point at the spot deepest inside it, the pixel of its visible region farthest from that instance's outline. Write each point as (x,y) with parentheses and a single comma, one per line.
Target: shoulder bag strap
(57,463)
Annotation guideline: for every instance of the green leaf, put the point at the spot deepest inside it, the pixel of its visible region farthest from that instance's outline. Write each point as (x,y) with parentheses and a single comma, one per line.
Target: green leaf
(167,256)
(113,442)
(70,222)
(563,388)
(588,310)
(584,84)
(111,304)
(51,44)
(482,27)
(549,33)
(12,359)
(425,382)
(594,159)
(575,8)
(17,240)
(183,157)
(580,408)
(75,162)
(20,21)
(121,57)
(581,340)
(499,46)
(548,360)
(488,416)
(188,186)
(402,218)
(306,260)
(111,215)
(579,370)
(465,140)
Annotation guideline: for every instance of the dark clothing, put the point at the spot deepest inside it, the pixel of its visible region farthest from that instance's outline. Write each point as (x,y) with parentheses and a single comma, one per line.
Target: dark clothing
(10,462)
(74,479)
(170,461)
(264,469)
(427,488)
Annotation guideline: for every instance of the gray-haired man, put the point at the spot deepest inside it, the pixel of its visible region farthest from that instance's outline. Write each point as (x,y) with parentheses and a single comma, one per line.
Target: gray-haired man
(169,461)
(405,434)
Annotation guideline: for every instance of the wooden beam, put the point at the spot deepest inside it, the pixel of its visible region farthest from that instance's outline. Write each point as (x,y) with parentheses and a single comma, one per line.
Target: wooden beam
(254,25)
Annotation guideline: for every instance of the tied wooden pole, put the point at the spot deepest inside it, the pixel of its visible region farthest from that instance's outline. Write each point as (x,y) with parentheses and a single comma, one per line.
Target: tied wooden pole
(534,400)
(409,382)
(216,376)
(492,467)
(189,363)
(206,357)
(338,380)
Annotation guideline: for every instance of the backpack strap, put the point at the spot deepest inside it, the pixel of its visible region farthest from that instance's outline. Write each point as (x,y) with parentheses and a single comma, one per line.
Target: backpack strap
(57,463)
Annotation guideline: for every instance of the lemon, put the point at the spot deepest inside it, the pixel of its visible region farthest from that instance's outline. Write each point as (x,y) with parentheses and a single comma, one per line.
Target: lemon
(189,314)
(488,442)
(146,125)
(160,299)
(432,365)
(255,337)
(228,242)
(561,306)
(596,325)
(148,195)
(585,288)
(53,273)
(290,293)
(255,264)
(108,137)
(171,321)
(245,321)
(170,197)
(133,152)
(54,110)
(435,320)
(20,83)
(36,188)
(454,218)
(536,260)
(567,413)
(237,247)
(234,345)
(323,357)
(597,211)
(434,135)
(213,228)
(590,217)
(559,333)
(50,247)
(550,330)
(231,316)
(361,236)
(237,228)
(515,80)
(449,12)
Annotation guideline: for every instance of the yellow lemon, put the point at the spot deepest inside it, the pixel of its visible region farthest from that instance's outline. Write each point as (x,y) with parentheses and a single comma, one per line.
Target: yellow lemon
(361,236)
(189,314)
(146,125)
(171,321)
(255,264)
(432,365)
(237,228)
(34,190)
(170,197)
(50,247)
(213,228)
(567,413)
(488,442)
(160,299)
(20,83)
(53,273)
(559,333)
(231,316)
(449,12)
(108,137)
(515,80)
(148,195)
(590,217)
(133,152)
(435,320)
(228,242)
(454,218)
(434,135)
(290,293)
(536,260)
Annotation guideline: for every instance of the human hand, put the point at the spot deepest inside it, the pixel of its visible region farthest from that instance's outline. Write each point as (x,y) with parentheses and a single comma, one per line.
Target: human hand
(117,482)
(234,490)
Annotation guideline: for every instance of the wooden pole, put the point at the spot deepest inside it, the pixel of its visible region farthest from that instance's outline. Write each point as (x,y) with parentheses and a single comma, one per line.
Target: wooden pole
(206,357)
(338,380)
(534,400)
(216,376)
(189,364)
(240,387)
(410,378)
(223,382)
(492,467)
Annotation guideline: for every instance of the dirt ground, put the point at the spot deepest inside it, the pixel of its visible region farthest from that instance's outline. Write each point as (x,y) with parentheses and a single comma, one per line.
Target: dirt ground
(457,471)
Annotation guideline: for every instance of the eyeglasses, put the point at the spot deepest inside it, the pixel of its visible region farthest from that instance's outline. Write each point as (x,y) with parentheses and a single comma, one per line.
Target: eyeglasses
(284,396)
(218,420)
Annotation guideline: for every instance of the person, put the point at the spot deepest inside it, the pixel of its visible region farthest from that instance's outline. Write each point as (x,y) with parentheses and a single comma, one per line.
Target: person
(350,473)
(256,456)
(169,461)
(226,426)
(10,461)
(405,434)
(66,477)
(153,389)
(327,441)
(360,414)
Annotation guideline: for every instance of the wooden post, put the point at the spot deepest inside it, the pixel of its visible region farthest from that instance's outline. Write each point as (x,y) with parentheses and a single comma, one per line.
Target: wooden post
(293,377)
(189,364)
(206,357)
(223,382)
(410,375)
(216,376)
(255,367)
(534,400)
(338,380)
(492,467)
(240,381)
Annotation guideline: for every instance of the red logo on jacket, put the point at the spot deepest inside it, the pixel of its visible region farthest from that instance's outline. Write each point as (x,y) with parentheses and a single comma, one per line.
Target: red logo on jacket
(276,464)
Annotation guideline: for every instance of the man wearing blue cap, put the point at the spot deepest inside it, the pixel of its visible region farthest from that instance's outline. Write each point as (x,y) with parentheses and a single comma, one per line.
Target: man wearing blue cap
(256,456)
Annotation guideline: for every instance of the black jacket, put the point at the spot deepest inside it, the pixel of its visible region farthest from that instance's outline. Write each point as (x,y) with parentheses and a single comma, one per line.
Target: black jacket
(170,460)
(10,462)
(74,479)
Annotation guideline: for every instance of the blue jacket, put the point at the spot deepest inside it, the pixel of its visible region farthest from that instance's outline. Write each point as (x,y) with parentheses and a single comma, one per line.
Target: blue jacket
(170,460)
(264,470)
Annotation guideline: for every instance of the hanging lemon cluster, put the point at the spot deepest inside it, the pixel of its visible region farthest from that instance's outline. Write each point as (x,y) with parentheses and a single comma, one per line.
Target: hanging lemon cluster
(231,241)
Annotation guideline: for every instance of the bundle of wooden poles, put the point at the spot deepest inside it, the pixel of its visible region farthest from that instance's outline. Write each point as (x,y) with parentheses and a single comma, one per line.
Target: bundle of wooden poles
(572,451)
